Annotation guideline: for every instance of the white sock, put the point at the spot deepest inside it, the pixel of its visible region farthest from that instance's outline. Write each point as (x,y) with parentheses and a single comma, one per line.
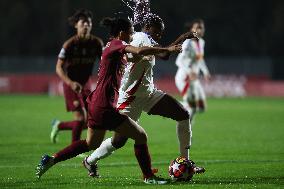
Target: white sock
(184,134)
(103,151)
(192,115)
(186,106)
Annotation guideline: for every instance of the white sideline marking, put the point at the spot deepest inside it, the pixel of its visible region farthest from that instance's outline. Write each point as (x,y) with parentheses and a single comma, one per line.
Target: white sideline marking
(117,164)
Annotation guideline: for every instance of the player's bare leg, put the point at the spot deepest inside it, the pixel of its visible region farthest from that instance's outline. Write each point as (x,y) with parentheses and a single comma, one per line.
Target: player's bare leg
(164,108)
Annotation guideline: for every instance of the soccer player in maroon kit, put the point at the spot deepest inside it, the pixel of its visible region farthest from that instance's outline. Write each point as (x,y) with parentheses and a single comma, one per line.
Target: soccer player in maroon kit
(74,66)
(102,112)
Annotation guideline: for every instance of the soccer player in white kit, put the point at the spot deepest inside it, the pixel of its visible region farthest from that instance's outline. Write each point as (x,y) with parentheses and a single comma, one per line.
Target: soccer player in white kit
(138,93)
(191,64)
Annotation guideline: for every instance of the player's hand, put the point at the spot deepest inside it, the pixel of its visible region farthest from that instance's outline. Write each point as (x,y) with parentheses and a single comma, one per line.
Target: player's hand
(190,35)
(75,86)
(175,48)
(207,77)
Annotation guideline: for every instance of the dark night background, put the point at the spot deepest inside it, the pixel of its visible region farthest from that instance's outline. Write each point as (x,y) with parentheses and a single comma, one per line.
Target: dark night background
(244,32)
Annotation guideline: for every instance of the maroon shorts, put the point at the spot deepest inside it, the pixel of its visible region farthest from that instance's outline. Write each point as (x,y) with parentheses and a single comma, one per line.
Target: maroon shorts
(71,96)
(104,118)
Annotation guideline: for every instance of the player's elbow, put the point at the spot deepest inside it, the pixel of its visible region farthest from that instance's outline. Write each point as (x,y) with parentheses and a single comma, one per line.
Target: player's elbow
(165,56)
(141,51)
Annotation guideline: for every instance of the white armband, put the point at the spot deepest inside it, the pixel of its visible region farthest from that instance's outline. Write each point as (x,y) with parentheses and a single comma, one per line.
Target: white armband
(62,54)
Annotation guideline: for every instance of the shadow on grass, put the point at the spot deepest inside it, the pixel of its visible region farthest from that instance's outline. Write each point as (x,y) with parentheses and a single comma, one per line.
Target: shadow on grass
(234,181)
(120,182)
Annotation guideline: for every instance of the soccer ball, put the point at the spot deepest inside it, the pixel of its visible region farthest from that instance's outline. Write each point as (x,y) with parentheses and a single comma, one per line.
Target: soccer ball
(181,169)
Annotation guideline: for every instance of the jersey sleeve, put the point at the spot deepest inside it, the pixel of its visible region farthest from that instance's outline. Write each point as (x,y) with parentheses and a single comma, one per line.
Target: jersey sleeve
(203,67)
(184,58)
(100,45)
(65,50)
(202,64)
(118,46)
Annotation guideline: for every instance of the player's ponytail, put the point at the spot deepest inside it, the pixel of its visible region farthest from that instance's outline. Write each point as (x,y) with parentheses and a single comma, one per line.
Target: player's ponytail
(116,25)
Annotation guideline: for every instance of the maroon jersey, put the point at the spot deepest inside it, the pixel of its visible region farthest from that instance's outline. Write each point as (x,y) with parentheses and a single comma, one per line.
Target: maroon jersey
(102,113)
(79,55)
(110,73)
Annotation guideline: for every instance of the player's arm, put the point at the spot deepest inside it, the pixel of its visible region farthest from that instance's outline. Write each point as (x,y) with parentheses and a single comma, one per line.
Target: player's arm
(152,50)
(101,46)
(184,58)
(179,40)
(204,69)
(77,87)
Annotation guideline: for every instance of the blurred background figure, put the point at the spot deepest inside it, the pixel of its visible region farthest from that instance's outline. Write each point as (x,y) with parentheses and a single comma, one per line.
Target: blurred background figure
(191,66)
(74,67)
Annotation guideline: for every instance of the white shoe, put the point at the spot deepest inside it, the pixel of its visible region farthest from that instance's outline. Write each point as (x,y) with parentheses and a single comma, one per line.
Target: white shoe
(155,180)
(92,169)
(54,130)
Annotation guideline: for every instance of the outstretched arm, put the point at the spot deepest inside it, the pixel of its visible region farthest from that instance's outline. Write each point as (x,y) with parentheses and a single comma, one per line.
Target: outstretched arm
(179,40)
(152,50)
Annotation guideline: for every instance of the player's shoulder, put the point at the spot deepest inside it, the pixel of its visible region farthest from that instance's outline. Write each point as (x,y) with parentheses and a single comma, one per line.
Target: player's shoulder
(140,35)
(201,40)
(69,41)
(141,39)
(187,43)
(96,39)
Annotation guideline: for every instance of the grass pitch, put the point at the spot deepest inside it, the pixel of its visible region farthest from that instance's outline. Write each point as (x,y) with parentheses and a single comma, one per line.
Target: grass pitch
(239,141)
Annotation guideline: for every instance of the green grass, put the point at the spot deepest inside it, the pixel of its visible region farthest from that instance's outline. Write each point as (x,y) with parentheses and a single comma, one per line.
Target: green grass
(239,141)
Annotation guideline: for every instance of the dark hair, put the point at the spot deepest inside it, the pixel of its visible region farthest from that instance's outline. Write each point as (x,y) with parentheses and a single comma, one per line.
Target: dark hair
(116,25)
(153,20)
(189,25)
(80,14)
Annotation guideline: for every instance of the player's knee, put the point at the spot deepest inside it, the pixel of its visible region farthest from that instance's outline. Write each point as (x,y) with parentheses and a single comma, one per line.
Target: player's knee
(76,103)
(80,117)
(201,106)
(182,115)
(142,137)
(81,120)
(118,143)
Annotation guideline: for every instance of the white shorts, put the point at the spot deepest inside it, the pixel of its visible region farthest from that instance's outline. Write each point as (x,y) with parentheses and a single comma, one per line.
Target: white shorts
(181,81)
(134,105)
(195,92)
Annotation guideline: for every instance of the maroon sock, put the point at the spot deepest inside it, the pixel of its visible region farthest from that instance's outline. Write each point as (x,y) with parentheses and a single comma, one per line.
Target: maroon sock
(201,105)
(144,159)
(76,131)
(68,125)
(71,151)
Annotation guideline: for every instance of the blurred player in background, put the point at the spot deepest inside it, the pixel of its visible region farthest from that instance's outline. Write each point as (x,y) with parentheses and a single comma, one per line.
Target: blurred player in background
(138,92)
(74,67)
(191,66)
(102,112)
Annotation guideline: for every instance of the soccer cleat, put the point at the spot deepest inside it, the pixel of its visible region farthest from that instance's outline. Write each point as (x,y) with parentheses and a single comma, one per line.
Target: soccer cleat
(197,169)
(54,130)
(92,169)
(155,180)
(45,163)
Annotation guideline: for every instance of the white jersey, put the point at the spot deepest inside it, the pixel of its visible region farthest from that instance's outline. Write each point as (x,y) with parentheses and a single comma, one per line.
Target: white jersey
(137,92)
(138,77)
(191,58)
